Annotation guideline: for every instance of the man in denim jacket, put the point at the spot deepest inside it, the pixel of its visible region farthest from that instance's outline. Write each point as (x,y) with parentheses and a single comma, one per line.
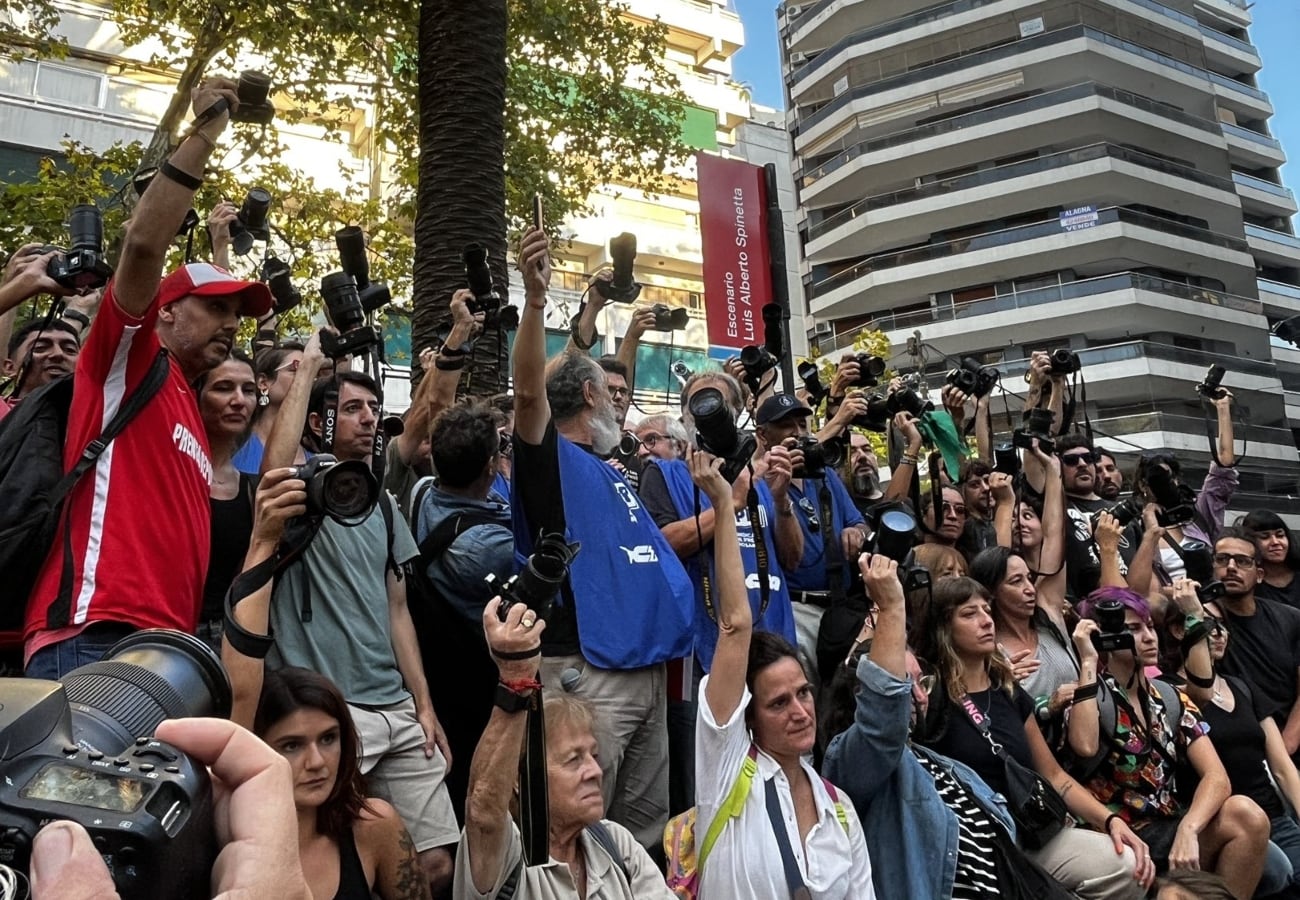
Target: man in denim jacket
(916,806)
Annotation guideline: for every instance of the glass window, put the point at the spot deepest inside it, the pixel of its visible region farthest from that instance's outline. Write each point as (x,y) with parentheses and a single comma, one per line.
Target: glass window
(68,85)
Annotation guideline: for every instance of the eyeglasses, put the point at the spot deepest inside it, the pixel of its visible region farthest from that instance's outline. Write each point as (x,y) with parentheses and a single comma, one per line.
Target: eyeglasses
(1242,560)
(617,392)
(1076,459)
(956,508)
(650,438)
(927,683)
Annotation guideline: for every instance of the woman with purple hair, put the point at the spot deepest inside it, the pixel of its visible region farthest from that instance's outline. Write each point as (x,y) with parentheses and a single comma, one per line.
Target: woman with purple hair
(1128,755)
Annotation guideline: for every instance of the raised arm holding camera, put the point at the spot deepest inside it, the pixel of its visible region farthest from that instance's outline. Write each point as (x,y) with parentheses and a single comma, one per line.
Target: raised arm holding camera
(119,576)
(627,606)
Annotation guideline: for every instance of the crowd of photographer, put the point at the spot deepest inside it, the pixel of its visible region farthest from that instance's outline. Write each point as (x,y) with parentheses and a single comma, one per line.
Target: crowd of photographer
(524,646)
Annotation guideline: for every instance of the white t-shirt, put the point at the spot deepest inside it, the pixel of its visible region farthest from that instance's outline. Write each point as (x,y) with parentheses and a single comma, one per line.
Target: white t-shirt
(746,860)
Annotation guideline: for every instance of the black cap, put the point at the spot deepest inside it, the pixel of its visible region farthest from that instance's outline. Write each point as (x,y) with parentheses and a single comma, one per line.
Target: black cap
(779,406)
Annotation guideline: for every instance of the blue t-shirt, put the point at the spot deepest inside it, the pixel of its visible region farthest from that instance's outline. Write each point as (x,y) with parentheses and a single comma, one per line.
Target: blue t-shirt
(811,574)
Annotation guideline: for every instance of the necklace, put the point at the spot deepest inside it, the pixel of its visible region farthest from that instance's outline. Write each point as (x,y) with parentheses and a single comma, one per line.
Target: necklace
(1219,686)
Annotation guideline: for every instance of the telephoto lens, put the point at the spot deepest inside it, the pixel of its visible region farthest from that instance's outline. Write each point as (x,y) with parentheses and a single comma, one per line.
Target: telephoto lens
(339,291)
(86,227)
(478,275)
(716,432)
(622,252)
(257,203)
(870,368)
(279,278)
(254,88)
(351,244)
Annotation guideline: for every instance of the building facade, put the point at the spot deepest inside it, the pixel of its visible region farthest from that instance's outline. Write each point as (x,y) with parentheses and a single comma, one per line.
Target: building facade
(987,178)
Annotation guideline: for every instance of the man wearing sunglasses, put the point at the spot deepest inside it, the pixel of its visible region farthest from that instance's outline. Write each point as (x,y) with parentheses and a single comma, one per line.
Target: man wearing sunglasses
(1265,645)
(1082,503)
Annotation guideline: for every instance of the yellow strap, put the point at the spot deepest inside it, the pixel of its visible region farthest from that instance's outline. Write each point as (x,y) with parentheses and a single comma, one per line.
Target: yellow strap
(730,808)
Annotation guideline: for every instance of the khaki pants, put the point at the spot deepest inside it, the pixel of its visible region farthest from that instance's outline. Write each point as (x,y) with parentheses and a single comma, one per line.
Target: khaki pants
(632,731)
(1085,863)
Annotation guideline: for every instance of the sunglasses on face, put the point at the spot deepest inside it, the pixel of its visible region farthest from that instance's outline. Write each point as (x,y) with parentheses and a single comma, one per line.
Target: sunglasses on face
(1076,459)
(291,366)
(1243,562)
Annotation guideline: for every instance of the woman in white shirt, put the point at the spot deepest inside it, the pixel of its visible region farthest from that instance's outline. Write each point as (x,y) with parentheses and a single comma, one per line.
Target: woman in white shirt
(794,835)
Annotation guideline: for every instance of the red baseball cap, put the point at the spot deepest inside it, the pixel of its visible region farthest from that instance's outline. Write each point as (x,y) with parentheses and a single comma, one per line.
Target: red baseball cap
(206,280)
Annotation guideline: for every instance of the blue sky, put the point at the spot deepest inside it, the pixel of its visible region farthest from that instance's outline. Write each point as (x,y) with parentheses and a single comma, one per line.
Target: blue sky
(1276,33)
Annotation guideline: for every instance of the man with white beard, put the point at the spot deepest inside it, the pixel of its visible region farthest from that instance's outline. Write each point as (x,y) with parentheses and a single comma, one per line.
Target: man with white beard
(626,608)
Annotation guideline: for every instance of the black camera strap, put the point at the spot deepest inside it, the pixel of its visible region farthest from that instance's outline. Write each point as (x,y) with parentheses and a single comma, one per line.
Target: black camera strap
(832,552)
(760,552)
(534,802)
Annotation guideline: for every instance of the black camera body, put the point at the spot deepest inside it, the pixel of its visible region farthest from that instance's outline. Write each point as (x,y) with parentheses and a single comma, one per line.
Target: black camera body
(1177,503)
(343,302)
(1111,634)
(82,266)
(279,278)
(79,750)
(870,370)
(670,318)
(818,456)
(537,583)
(1198,559)
(254,92)
(812,382)
(1065,361)
(622,288)
(1035,425)
(876,418)
(1209,388)
(345,491)
(972,378)
(716,432)
(757,362)
(907,400)
(251,222)
(1125,511)
(893,529)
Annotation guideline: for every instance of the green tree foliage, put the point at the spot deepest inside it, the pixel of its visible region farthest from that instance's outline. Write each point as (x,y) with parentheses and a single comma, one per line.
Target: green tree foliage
(870,341)
(27,29)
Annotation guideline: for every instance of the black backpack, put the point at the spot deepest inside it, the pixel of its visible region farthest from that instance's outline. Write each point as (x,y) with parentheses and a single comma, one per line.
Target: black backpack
(33,484)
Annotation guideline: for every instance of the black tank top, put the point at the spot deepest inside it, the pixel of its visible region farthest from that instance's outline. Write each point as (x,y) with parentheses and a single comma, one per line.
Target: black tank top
(352,875)
(232,526)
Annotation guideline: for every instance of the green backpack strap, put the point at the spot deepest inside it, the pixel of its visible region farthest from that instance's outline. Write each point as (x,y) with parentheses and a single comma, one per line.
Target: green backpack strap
(839,807)
(731,806)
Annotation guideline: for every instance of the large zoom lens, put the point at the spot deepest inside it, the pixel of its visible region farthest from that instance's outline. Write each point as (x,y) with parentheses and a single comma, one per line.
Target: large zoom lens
(622,251)
(257,203)
(478,275)
(86,226)
(253,88)
(147,677)
(351,244)
(339,291)
(344,491)
(716,428)
(894,534)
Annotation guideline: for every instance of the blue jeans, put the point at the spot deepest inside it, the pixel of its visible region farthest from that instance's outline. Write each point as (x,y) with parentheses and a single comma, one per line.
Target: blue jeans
(57,660)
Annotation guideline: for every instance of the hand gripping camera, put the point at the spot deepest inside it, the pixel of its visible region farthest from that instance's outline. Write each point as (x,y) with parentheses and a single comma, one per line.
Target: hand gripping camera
(670,318)
(1036,424)
(973,379)
(716,432)
(621,288)
(1111,634)
(254,92)
(757,359)
(279,278)
(1209,388)
(80,749)
(539,581)
(818,456)
(345,491)
(486,299)
(870,370)
(82,266)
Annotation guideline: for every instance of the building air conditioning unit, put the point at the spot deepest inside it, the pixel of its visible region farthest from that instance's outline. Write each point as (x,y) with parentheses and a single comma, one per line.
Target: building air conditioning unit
(821,328)
(793,12)
(798,58)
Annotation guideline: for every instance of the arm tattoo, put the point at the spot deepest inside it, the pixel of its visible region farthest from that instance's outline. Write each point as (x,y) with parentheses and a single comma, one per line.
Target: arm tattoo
(410,883)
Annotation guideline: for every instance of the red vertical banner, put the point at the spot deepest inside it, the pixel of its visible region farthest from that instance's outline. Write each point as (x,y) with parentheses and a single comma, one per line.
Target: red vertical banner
(737,266)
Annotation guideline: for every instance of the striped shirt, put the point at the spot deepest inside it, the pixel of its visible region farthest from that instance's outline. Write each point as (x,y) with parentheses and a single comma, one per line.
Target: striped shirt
(976,877)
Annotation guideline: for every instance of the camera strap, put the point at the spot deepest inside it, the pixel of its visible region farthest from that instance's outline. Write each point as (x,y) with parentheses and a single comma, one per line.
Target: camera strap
(760,552)
(245,585)
(831,549)
(1213,441)
(534,803)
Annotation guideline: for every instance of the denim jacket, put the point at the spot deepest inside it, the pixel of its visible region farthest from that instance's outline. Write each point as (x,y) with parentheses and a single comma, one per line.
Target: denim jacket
(911,834)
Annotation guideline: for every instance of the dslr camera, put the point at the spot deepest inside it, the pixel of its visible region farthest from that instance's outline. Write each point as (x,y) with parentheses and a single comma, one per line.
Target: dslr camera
(486,299)
(1111,634)
(349,296)
(1209,388)
(818,456)
(893,533)
(1125,511)
(716,432)
(1176,501)
(621,288)
(1036,424)
(870,370)
(82,266)
(1006,460)
(1198,559)
(812,382)
(973,379)
(251,222)
(539,581)
(907,400)
(80,749)
(345,491)
(277,276)
(759,360)
(254,92)
(1064,361)
(876,418)
(670,318)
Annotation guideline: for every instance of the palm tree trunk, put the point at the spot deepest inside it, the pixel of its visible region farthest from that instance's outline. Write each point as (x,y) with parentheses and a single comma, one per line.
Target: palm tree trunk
(462,187)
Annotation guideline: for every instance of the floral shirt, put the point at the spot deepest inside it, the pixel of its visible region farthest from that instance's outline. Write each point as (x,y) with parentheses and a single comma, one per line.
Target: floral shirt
(1135,779)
